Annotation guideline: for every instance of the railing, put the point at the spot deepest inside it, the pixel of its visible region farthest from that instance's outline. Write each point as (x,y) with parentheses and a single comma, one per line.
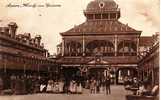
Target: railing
(127,54)
(110,54)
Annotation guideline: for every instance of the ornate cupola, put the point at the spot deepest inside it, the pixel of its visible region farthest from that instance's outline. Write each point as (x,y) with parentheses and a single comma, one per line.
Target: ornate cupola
(102,10)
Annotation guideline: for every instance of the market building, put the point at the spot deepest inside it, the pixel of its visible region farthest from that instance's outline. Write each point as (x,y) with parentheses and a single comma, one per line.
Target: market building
(20,54)
(102,45)
(149,63)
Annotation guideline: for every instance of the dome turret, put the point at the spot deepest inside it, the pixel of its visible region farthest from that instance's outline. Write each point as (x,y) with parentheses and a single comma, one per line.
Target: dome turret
(102,9)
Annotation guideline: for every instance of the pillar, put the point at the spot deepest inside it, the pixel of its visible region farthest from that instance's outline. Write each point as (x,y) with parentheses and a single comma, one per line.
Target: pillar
(137,46)
(75,49)
(128,72)
(24,69)
(115,45)
(129,48)
(119,75)
(115,72)
(123,47)
(94,16)
(108,15)
(83,40)
(5,64)
(153,77)
(104,49)
(116,15)
(69,52)
(63,46)
(38,68)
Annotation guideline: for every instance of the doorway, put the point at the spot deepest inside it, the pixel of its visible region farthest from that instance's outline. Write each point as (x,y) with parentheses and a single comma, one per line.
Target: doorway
(70,73)
(96,72)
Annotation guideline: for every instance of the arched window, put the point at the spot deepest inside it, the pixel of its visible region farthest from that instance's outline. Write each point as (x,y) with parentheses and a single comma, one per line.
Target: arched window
(127,48)
(90,16)
(103,47)
(97,16)
(73,48)
(105,16)
(112,15)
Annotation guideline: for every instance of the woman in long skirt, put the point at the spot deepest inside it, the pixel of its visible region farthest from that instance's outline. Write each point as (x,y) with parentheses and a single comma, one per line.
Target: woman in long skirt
(50,86)
(93,86)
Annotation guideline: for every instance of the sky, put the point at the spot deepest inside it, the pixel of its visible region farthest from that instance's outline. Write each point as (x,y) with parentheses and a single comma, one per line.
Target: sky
(141,15)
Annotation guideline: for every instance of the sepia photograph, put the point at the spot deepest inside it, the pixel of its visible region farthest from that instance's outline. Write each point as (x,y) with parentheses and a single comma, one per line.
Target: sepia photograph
(79,49)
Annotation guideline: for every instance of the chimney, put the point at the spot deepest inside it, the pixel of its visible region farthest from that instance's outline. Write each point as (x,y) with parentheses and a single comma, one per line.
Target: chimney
(28,37)
(32,41)
(12,29)
(38,40)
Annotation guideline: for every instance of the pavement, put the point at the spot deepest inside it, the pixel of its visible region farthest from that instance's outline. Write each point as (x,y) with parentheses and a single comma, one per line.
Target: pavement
(117,93)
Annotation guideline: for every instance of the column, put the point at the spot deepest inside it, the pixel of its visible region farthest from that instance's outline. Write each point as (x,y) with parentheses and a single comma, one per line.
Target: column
(123,47)
(24,69)
(116,15)
(129,48)
(76,51)
(69,49)
(153,77)
(119,74)
(63,46)
(115,75)
(108,15)
(137,46)
(104,49)
(115,45)
(5,64)
(128,72)
(83,45)
(94,16)
(38,68)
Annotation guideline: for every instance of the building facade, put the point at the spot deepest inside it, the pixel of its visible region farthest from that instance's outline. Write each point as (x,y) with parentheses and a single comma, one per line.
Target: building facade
(149,63)
(102,43)
(21,54)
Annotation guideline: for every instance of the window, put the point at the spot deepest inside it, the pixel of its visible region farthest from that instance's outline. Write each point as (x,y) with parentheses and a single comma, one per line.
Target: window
(104,16)
(112,15)
(97,16)
(90,16)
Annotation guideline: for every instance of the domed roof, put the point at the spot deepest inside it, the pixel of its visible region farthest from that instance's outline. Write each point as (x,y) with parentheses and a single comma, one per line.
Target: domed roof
(102,5)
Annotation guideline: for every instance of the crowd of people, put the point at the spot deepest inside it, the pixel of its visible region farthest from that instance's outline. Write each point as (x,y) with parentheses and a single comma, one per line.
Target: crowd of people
(100,85)
(35,84)
(76,86)
(61,87)
(138,87)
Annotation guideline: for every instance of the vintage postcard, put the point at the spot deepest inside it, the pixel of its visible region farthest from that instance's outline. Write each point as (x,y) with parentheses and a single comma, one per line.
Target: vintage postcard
(79,49)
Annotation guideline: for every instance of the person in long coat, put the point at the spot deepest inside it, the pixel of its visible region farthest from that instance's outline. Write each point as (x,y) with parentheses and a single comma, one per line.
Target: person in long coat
(1,85)
(108,83)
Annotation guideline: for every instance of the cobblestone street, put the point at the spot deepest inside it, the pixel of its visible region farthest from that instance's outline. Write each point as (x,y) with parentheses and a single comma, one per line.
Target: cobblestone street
(118,93)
